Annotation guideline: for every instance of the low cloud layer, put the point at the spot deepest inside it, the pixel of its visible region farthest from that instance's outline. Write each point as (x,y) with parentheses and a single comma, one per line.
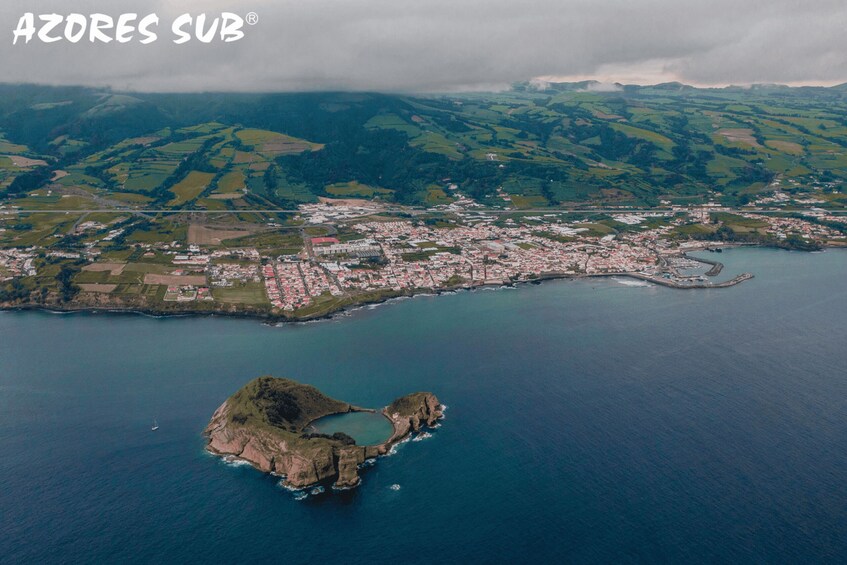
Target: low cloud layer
(447,45)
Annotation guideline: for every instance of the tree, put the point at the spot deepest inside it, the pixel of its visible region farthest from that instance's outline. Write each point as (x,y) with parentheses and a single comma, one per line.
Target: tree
(67,289)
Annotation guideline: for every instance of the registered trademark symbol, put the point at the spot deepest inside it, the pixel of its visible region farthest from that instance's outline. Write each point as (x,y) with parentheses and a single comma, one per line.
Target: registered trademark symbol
(252,18)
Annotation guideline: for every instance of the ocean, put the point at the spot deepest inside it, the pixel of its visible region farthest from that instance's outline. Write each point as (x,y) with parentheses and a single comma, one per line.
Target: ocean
(588,421)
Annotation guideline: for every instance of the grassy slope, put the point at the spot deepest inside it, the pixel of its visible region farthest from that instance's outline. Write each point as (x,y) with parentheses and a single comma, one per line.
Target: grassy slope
(563,145)
(407,405)
(281,405)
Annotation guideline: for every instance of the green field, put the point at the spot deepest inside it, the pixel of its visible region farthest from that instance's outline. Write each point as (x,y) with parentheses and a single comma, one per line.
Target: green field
(248,293)
(230,182)
(190,188)
(285,243)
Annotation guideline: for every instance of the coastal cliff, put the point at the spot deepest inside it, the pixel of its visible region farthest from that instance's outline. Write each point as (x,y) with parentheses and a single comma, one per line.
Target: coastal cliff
(265,423)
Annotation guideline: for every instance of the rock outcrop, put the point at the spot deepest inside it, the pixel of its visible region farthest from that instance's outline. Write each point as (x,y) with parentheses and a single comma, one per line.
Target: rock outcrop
(264,424)
(412,412)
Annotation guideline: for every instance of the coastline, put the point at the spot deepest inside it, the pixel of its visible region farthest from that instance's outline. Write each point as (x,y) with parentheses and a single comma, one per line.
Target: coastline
(399,434)
(270,318)
(275,319)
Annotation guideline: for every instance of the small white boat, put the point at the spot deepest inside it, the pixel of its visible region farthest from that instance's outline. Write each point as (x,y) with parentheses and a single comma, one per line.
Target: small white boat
(155,426)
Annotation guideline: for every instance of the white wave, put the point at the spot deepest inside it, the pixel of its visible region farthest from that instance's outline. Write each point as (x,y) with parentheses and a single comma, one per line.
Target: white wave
(631,282)
(395,486)
(234,461)
(422,436)
(310,322)
(393,300)
(393,450)
(290,489)
(342,489)
(301,496)
(316,491)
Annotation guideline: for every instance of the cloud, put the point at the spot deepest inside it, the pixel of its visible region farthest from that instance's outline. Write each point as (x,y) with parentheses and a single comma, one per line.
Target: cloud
(603,87)
(447,45)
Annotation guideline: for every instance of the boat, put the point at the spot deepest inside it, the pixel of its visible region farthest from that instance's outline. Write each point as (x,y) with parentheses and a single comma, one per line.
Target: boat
(155,425)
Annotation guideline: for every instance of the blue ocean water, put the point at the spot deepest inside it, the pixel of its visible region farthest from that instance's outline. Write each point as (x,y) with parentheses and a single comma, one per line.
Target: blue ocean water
(588,421)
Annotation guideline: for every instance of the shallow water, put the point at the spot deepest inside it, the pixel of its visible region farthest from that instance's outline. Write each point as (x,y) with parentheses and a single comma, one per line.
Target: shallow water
(588,421)
(367,428)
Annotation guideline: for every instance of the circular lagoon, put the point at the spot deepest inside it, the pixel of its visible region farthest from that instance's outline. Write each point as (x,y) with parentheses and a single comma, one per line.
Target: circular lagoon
(367,428)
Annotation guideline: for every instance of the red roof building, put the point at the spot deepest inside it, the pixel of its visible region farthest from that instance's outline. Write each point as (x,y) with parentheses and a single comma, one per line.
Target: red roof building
(324,241)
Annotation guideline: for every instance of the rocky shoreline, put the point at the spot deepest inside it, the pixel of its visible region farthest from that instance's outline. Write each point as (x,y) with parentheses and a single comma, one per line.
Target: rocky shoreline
(264,424)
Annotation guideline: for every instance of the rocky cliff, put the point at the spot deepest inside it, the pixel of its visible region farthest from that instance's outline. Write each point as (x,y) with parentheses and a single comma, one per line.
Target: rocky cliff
(412,412)
(264,423)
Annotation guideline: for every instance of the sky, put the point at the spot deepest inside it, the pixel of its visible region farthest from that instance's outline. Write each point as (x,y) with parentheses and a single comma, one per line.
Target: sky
(444,45)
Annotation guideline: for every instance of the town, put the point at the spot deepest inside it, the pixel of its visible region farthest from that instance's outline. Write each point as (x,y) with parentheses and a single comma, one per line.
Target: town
(344,253)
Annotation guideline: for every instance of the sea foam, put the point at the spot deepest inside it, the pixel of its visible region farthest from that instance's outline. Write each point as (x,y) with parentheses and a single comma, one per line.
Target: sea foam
(234,461)
(630,282)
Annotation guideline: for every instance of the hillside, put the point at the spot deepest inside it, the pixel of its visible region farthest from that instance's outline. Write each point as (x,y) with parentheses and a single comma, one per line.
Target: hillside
(282,404)
(526,148)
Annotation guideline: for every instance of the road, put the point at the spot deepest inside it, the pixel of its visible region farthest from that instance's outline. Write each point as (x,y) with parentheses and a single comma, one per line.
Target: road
(415,211)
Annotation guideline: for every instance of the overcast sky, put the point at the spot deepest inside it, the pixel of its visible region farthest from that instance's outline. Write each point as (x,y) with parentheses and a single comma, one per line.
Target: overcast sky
(447,45)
